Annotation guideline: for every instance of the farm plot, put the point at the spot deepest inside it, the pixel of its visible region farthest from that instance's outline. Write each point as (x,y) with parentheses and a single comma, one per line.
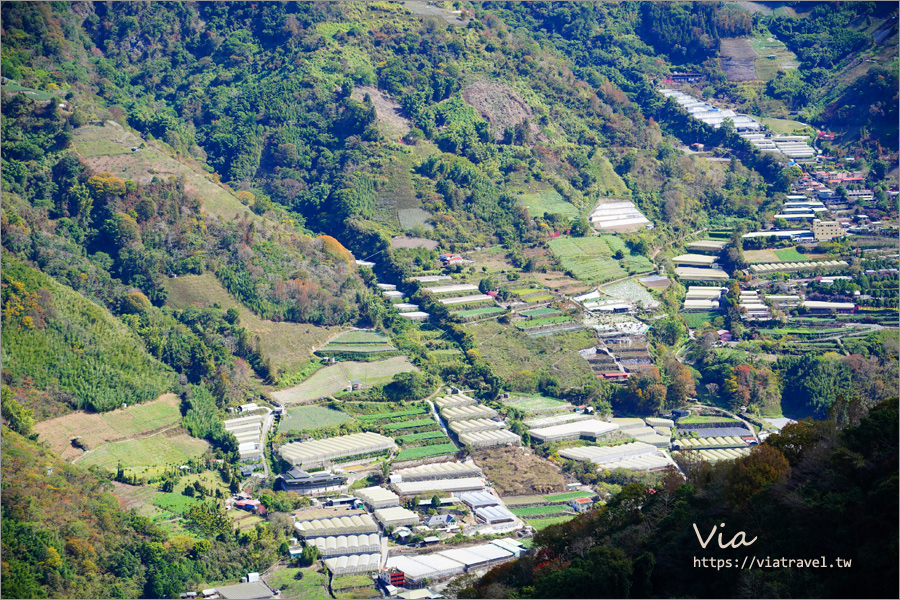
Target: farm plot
(790,254)
(540,312)
(631,291)
(335,378)
(146,453)
(549,201)
(417,437)
(304,418)
(411,424)
(588,259)
(542,322)
(539,524)
(532,511)
(767,46)
(310,583)
(536,404)
(391,415)
(357,342)
(566,496)
(96,429)
(515,473)
(426,451)
(480,312)
(761,256)
(738,58)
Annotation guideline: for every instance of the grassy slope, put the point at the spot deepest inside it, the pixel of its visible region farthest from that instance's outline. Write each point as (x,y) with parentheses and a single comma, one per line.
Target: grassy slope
(288,345)
(83,350)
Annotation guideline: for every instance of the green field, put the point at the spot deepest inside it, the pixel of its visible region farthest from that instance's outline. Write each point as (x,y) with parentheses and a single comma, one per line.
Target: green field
(548,202)
(343,582)
(477,312)
(359,341)
(538,510)
(335,378)
(542,322)
(303,418)
(535,403)
(415,437)
(567,496)
(175,503)
(697,319)
(156,451)
(425,451)
(767,68)
(312,584)
(539,524)
(538,298)
(539,312)
(790,254)
(588,259)
(409,424)
(390,415)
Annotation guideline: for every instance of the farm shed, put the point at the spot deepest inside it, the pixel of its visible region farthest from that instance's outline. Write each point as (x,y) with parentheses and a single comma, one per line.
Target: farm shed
(600,455)
(431,278)
(464,299)
(451,289)
(702,291)
(655,462)
(415,315)
(476,557)
(378,497)
(365,543)
(424,566)
(406,307)
(572,431)
(442,470)
(707,246)
(511,545)
(479,500)
(396,516)
(558,419)
(245,591)
(463,484)
(699,260)
(484,439)
(353,525)
(494,514)
(454,400)
(817,306)
(298,480)
(473,425)
(626,423)
(713,456)
(468,412)
(319,452)
(701,274)
(356,563)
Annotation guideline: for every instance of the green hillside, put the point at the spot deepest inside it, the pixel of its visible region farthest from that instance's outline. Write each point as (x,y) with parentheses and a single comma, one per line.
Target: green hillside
(53,338)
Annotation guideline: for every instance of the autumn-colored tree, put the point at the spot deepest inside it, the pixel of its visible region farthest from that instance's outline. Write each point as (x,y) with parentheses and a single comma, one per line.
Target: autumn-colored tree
(681,384)
(764,466)
(334,249)
(106,184)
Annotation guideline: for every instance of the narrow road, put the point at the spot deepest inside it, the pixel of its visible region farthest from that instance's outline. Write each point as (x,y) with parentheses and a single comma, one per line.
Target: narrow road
(264,439)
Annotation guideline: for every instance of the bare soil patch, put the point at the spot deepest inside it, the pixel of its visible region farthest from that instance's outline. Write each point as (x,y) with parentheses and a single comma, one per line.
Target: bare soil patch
(738,59)
(390,114)
(500,105)
(516,472)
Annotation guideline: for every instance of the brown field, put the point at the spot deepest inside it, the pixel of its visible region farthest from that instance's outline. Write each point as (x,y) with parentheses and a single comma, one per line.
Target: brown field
(760,256)
(100,428)
(288,345)
(515,472)
(107,148)
(738,58)
(413,242)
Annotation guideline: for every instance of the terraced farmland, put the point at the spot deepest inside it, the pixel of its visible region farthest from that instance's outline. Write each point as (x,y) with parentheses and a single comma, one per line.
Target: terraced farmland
(305,418)
(588,259)
(540,510)
(480,312)
(426,451)
(536,404)
(353,343)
